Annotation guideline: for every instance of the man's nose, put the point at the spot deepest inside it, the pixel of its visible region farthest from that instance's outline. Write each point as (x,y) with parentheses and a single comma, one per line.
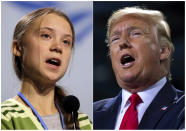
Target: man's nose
(56,47)
(125,44)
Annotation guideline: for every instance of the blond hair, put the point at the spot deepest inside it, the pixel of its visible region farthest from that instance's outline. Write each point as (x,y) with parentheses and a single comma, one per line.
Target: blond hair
(157,19)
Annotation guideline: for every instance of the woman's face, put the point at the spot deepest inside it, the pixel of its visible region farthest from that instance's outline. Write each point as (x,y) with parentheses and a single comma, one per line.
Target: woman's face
(47,46)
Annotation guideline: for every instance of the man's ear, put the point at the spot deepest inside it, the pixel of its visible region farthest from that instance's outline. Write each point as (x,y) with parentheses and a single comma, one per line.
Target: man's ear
(164,52)
(16,48)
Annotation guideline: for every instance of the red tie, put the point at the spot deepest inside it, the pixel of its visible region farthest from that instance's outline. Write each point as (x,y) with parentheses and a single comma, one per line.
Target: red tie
(130,119)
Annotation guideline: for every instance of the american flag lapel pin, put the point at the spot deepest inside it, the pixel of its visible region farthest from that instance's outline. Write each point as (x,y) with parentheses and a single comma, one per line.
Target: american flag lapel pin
(164,108)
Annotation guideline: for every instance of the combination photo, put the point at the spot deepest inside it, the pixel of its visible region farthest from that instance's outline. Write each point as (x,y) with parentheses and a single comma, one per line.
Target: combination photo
(92,65)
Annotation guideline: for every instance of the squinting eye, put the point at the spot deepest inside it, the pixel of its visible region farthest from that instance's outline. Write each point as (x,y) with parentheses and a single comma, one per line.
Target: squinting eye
(135,33)
(114,39)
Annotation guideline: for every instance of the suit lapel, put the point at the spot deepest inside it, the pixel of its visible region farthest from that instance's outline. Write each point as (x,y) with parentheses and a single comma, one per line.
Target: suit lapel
(158,107)
(109,114)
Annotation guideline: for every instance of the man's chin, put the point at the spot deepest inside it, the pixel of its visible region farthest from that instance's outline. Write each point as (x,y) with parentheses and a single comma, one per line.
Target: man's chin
(128,81)
(128,78)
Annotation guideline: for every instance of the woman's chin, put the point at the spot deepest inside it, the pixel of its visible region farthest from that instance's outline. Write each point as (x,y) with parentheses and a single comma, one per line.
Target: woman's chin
(53,78)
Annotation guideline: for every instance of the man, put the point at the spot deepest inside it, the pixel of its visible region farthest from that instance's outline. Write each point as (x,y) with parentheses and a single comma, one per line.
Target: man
(141,51)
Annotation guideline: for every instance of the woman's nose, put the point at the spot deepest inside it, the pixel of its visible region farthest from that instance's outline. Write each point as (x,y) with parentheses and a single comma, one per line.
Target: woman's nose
(56,47)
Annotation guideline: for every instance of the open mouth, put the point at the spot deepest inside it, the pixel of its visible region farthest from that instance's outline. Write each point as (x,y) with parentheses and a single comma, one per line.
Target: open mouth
(54,61)
(127,60)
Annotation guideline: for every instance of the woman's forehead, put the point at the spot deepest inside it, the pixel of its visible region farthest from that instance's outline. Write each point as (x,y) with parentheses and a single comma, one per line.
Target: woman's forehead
(47,19)
(51,20)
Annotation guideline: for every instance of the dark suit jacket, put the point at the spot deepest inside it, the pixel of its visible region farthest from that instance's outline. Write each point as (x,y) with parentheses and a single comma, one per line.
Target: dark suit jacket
(155,117)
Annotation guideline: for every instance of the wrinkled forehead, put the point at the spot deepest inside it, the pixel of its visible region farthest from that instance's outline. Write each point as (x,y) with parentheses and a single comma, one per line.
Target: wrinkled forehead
(132,20)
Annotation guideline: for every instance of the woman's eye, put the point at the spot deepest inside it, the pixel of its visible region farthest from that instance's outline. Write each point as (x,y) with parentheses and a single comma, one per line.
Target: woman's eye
(66,42)
(46,36)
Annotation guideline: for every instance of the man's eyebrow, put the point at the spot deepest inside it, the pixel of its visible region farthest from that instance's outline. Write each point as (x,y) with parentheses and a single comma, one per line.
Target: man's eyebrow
(115,33)
(139,28)
(133,28)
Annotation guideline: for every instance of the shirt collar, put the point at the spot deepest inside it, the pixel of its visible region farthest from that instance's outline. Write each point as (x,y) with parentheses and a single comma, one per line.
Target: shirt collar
(146,95)
(125,96)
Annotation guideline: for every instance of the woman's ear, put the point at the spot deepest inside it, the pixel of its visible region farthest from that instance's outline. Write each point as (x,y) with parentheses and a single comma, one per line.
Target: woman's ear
(16,48)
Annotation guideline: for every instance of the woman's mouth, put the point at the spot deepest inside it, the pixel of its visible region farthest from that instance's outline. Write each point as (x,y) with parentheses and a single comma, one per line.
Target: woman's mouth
(53,63)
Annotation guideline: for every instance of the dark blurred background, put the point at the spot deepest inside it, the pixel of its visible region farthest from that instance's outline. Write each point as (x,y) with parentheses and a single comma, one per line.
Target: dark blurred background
(105,84)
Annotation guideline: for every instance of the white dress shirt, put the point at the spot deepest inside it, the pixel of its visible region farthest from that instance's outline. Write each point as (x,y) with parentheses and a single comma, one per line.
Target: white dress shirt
(146,95)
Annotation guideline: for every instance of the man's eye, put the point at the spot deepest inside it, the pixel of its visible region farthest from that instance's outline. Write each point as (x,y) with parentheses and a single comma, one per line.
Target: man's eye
(135,33)
(114,39)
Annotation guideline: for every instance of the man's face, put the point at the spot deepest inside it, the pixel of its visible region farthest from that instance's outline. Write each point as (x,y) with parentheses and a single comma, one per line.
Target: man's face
(135,52)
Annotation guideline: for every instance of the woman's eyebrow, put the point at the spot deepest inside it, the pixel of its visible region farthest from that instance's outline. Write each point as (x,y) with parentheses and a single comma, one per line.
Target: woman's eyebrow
(52,30)
(68,35)
(48,28)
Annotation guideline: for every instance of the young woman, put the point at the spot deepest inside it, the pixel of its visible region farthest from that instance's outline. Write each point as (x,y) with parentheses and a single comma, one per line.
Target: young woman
(42,45)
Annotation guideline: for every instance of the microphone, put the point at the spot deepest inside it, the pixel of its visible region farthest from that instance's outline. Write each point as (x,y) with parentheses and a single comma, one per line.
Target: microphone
(71,105)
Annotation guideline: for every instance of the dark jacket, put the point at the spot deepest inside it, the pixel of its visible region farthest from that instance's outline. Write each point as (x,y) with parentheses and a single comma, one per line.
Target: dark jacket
(155,117)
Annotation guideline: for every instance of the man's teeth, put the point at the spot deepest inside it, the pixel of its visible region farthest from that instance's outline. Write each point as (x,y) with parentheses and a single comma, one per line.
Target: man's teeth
(127,60)
(126,64)
(126,57)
